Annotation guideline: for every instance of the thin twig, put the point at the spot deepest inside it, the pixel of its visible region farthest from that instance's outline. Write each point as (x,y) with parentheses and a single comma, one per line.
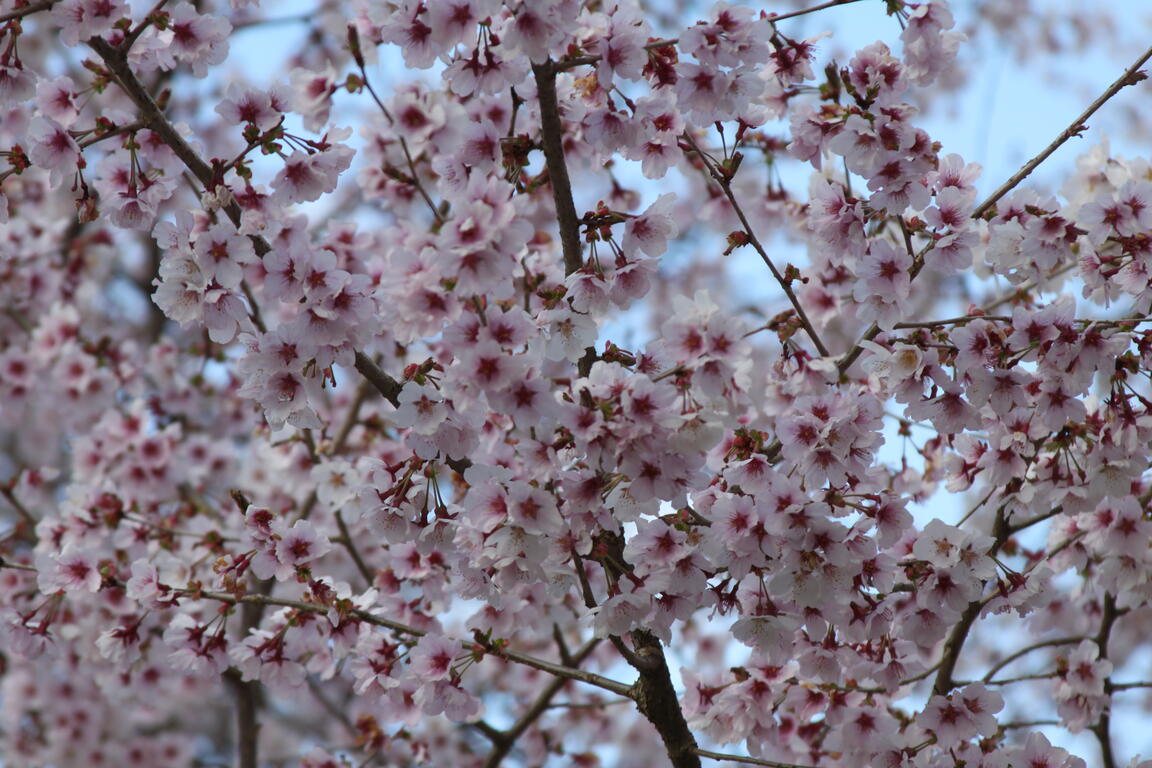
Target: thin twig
(1024,651)
(746,760)
(1013,680)
(1022,290)
(336,711)
(1131,686)
(1131,76)
(28,10)
(725,183)
(503,741)
(272,21)
(350,545)
(1026,724)
(527,660)
(951,321)
(1128,78)
(350,419)
(403,144)
(117,131)
(806,11)
(17,505)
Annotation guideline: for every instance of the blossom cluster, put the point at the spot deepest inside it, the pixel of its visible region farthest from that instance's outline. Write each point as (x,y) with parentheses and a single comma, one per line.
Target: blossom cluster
(309,393)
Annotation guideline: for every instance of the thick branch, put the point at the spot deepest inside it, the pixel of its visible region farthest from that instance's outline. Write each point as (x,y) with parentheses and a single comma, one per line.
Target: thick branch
(656,699)
(653,691)
(151,115)
(246,693)
(944,681)
(387,386)
(552,141)
(247,726)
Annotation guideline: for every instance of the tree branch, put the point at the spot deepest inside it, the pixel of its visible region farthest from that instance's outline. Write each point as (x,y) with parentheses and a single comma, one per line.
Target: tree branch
(27,10)
(387,386)
(552,142)
(349,544)
(955,642)
(21,510)
(350,419)
(247,725)
(1102,729)
(116,60)
(336,711)
(503,741)
(653,691)
(806,11)
(415,176)
(656,699)
(1025,651)
(1131,76)
(591,678)
(724,181)
(746,760)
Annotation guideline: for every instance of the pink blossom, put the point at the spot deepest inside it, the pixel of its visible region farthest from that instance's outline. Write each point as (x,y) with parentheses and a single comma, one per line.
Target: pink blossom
(193,38)
(963,715)
(82,19)
(255,107)
(54,149)
(306,177)
(433,658)
(311,95)
(57,100)
(300,544)
(145,583)
(929,44)
(650,231)
(72,569)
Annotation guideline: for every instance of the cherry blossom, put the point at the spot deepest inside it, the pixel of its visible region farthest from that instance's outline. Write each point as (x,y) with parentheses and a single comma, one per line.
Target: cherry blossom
(355,413)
